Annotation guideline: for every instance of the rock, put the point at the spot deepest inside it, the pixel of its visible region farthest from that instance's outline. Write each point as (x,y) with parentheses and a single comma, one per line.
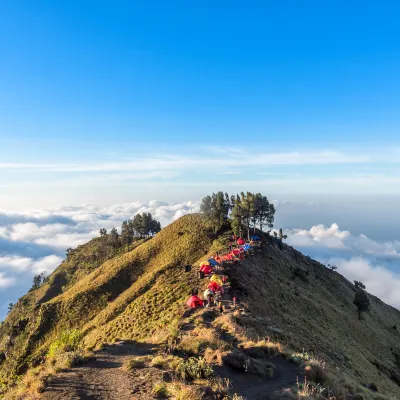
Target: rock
(274,329)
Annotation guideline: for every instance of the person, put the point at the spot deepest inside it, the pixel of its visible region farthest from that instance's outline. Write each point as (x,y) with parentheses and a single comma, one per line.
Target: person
(234,301)
(220,307)
(209,295)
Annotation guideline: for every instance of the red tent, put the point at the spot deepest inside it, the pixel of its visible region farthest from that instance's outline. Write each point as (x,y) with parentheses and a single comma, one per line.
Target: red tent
(195,301)
(206,269)
(241,241)
(213,286)
(236,252)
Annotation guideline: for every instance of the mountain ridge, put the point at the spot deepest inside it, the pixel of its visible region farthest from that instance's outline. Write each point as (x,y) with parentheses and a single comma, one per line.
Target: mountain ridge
(138,294)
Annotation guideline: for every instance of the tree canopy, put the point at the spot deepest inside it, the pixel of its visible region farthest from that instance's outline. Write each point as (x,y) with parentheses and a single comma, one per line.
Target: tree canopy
(244,211)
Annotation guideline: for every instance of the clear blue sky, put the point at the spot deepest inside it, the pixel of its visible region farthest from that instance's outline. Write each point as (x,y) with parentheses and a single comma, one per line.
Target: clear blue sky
(93,90)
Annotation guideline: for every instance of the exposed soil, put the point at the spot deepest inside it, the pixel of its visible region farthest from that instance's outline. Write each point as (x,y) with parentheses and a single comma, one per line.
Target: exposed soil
(104,378)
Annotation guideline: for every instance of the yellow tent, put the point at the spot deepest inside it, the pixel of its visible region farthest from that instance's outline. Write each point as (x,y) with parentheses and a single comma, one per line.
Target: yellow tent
(217,279)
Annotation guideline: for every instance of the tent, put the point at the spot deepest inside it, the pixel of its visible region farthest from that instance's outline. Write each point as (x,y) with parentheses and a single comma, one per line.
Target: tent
(213,286)
(217,279)
(213,262)
(255,238)
(194,301)
(240,241)
(206,269)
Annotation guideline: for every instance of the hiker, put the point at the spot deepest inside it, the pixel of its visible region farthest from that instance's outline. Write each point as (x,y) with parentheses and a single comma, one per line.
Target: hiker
(220,307)
(209,295)
(234,301)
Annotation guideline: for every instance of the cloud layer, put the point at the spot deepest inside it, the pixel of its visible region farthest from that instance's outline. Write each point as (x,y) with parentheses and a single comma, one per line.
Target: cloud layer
(357,258)
(34,241)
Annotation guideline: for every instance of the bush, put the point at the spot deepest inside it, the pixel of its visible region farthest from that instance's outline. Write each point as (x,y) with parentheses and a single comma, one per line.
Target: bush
(70,359)
(194,368)
(133,363)
(159,362)
(160,390)
(67,341)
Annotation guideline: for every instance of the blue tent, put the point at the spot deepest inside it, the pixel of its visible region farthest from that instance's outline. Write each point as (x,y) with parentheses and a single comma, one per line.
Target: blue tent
(246,247)
(212,262)
(255,238)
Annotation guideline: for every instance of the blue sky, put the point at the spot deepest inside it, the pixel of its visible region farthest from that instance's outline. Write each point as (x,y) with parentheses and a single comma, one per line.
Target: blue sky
(117,103)
(100,83)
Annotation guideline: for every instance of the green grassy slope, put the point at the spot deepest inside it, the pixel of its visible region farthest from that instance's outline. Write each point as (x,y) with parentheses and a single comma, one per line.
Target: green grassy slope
(96,298)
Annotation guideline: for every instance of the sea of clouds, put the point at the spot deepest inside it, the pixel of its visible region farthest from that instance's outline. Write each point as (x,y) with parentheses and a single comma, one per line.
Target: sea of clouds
(35,241)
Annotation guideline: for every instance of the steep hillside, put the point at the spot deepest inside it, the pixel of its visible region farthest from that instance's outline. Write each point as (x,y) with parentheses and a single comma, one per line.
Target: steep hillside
(101,294)
(313,308)
(288,303)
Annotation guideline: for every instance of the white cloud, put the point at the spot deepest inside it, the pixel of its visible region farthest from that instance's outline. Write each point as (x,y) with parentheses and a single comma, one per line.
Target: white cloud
(357,257)
(378,279)
(6,281)
(20,264)
(34,241)
(213,158)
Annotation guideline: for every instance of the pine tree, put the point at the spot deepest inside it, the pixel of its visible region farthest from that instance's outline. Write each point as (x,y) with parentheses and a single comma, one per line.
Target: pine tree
(216,208)
(126,234)
(362,302)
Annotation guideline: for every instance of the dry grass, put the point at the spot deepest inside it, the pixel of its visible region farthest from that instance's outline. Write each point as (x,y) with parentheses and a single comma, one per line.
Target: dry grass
(160,390)
(181,391)
(134,363)
(199,340)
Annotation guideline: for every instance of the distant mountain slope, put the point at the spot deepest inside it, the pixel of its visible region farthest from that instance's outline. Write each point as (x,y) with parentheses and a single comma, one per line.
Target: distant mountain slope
(136,294)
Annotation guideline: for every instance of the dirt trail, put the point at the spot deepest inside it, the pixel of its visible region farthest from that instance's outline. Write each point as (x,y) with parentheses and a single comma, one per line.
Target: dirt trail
(104,378)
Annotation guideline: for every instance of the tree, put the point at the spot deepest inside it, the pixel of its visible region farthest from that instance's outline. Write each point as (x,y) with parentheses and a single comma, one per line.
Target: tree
(126,234)
(113,239)
(155,227)
(281,235)
(362,302)
(216,208)
(359,285)
(103,232)
(68,252)
(265,211)
(39,280)
(144,225)
(243,213)
(10,307)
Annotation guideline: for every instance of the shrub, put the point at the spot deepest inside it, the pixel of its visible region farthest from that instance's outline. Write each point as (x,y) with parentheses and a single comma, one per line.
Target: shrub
(160,390)
(180,391)
(194,368)
(160,362)
(133,363)
(67,341)
(69,359)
